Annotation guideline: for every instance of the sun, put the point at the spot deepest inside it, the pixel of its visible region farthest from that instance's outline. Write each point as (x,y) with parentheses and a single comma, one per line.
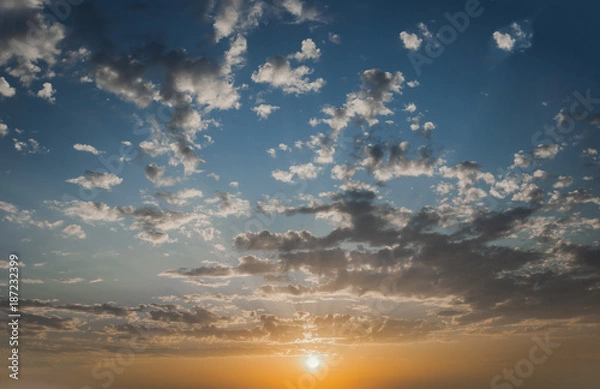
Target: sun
(313,362)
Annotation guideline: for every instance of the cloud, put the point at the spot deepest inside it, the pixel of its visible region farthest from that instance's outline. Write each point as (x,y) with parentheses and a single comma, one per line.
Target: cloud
(28,39)
(563,182)
(504,41)
(156,175)
(3,130)
(5,89)
(410,41)
(308,50)
(278,73)
(180,198)
(410,108)
(124,78)
(301,12)
(335,38)
(307,171)
(87,149)
(47,93)
(264,110)
(398,163)
(31,146)
(91,179)
(516,36)
(229,205)
(377,89)
(546,151)
(74,231)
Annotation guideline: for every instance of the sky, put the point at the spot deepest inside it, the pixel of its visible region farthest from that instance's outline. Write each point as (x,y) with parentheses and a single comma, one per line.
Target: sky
(301,194)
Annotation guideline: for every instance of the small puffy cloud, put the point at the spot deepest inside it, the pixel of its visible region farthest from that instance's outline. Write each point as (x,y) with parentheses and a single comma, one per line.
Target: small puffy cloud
(74,231)
(87,149)
(278,73)
(264,110)
(272,153)
(428,127)
(302,12)
(156,174)
(410,41)
(307,171)
(234,184)
(413,84)
(308,50)
(229,204)
(91,179)
(335,38)
(540,174)
(504,41)
(3,130)
(563,182)
(410,108)
(31,146)
(47,92)
(516,36)
(5,89)
(520,160)
(180,198)
(545,151)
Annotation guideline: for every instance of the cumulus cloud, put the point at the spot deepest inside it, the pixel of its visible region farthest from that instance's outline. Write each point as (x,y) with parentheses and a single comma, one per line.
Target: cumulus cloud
(5,89)
(410,41)
(518,36)
(229,204)
(156,174)
(87,148)
(278,73)
(307,171)
(31,146)
(180,198)
(335,38)
(308,50)
(47,92)
(377,89)
(547,151)
(91,179)
(264,110)
(27,53)
(74,231)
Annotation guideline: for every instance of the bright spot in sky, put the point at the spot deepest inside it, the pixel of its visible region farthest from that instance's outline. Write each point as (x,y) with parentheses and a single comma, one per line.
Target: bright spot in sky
(312,362)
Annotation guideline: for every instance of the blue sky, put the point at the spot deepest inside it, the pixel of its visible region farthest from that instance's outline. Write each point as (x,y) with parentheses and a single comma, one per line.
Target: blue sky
(295,151)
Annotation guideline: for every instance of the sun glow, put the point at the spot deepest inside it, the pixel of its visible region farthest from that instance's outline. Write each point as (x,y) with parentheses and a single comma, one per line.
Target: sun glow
(313,362)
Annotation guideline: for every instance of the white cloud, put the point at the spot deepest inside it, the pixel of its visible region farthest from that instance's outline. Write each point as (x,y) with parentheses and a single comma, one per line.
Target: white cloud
(377,89)
(504,41)
(3,130)
(428,127)
(87,149)
(156,174)
(47,93)
(410,108)
(264,110)
(278,73)
(335,38)
(563,182)
(180,198)
(307,171)
(31,146)
(5,89)
(308,50)
(74,231)
(272,153)
(301,12)
(91,179)
(546,151)
(410,41)
(516,36)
